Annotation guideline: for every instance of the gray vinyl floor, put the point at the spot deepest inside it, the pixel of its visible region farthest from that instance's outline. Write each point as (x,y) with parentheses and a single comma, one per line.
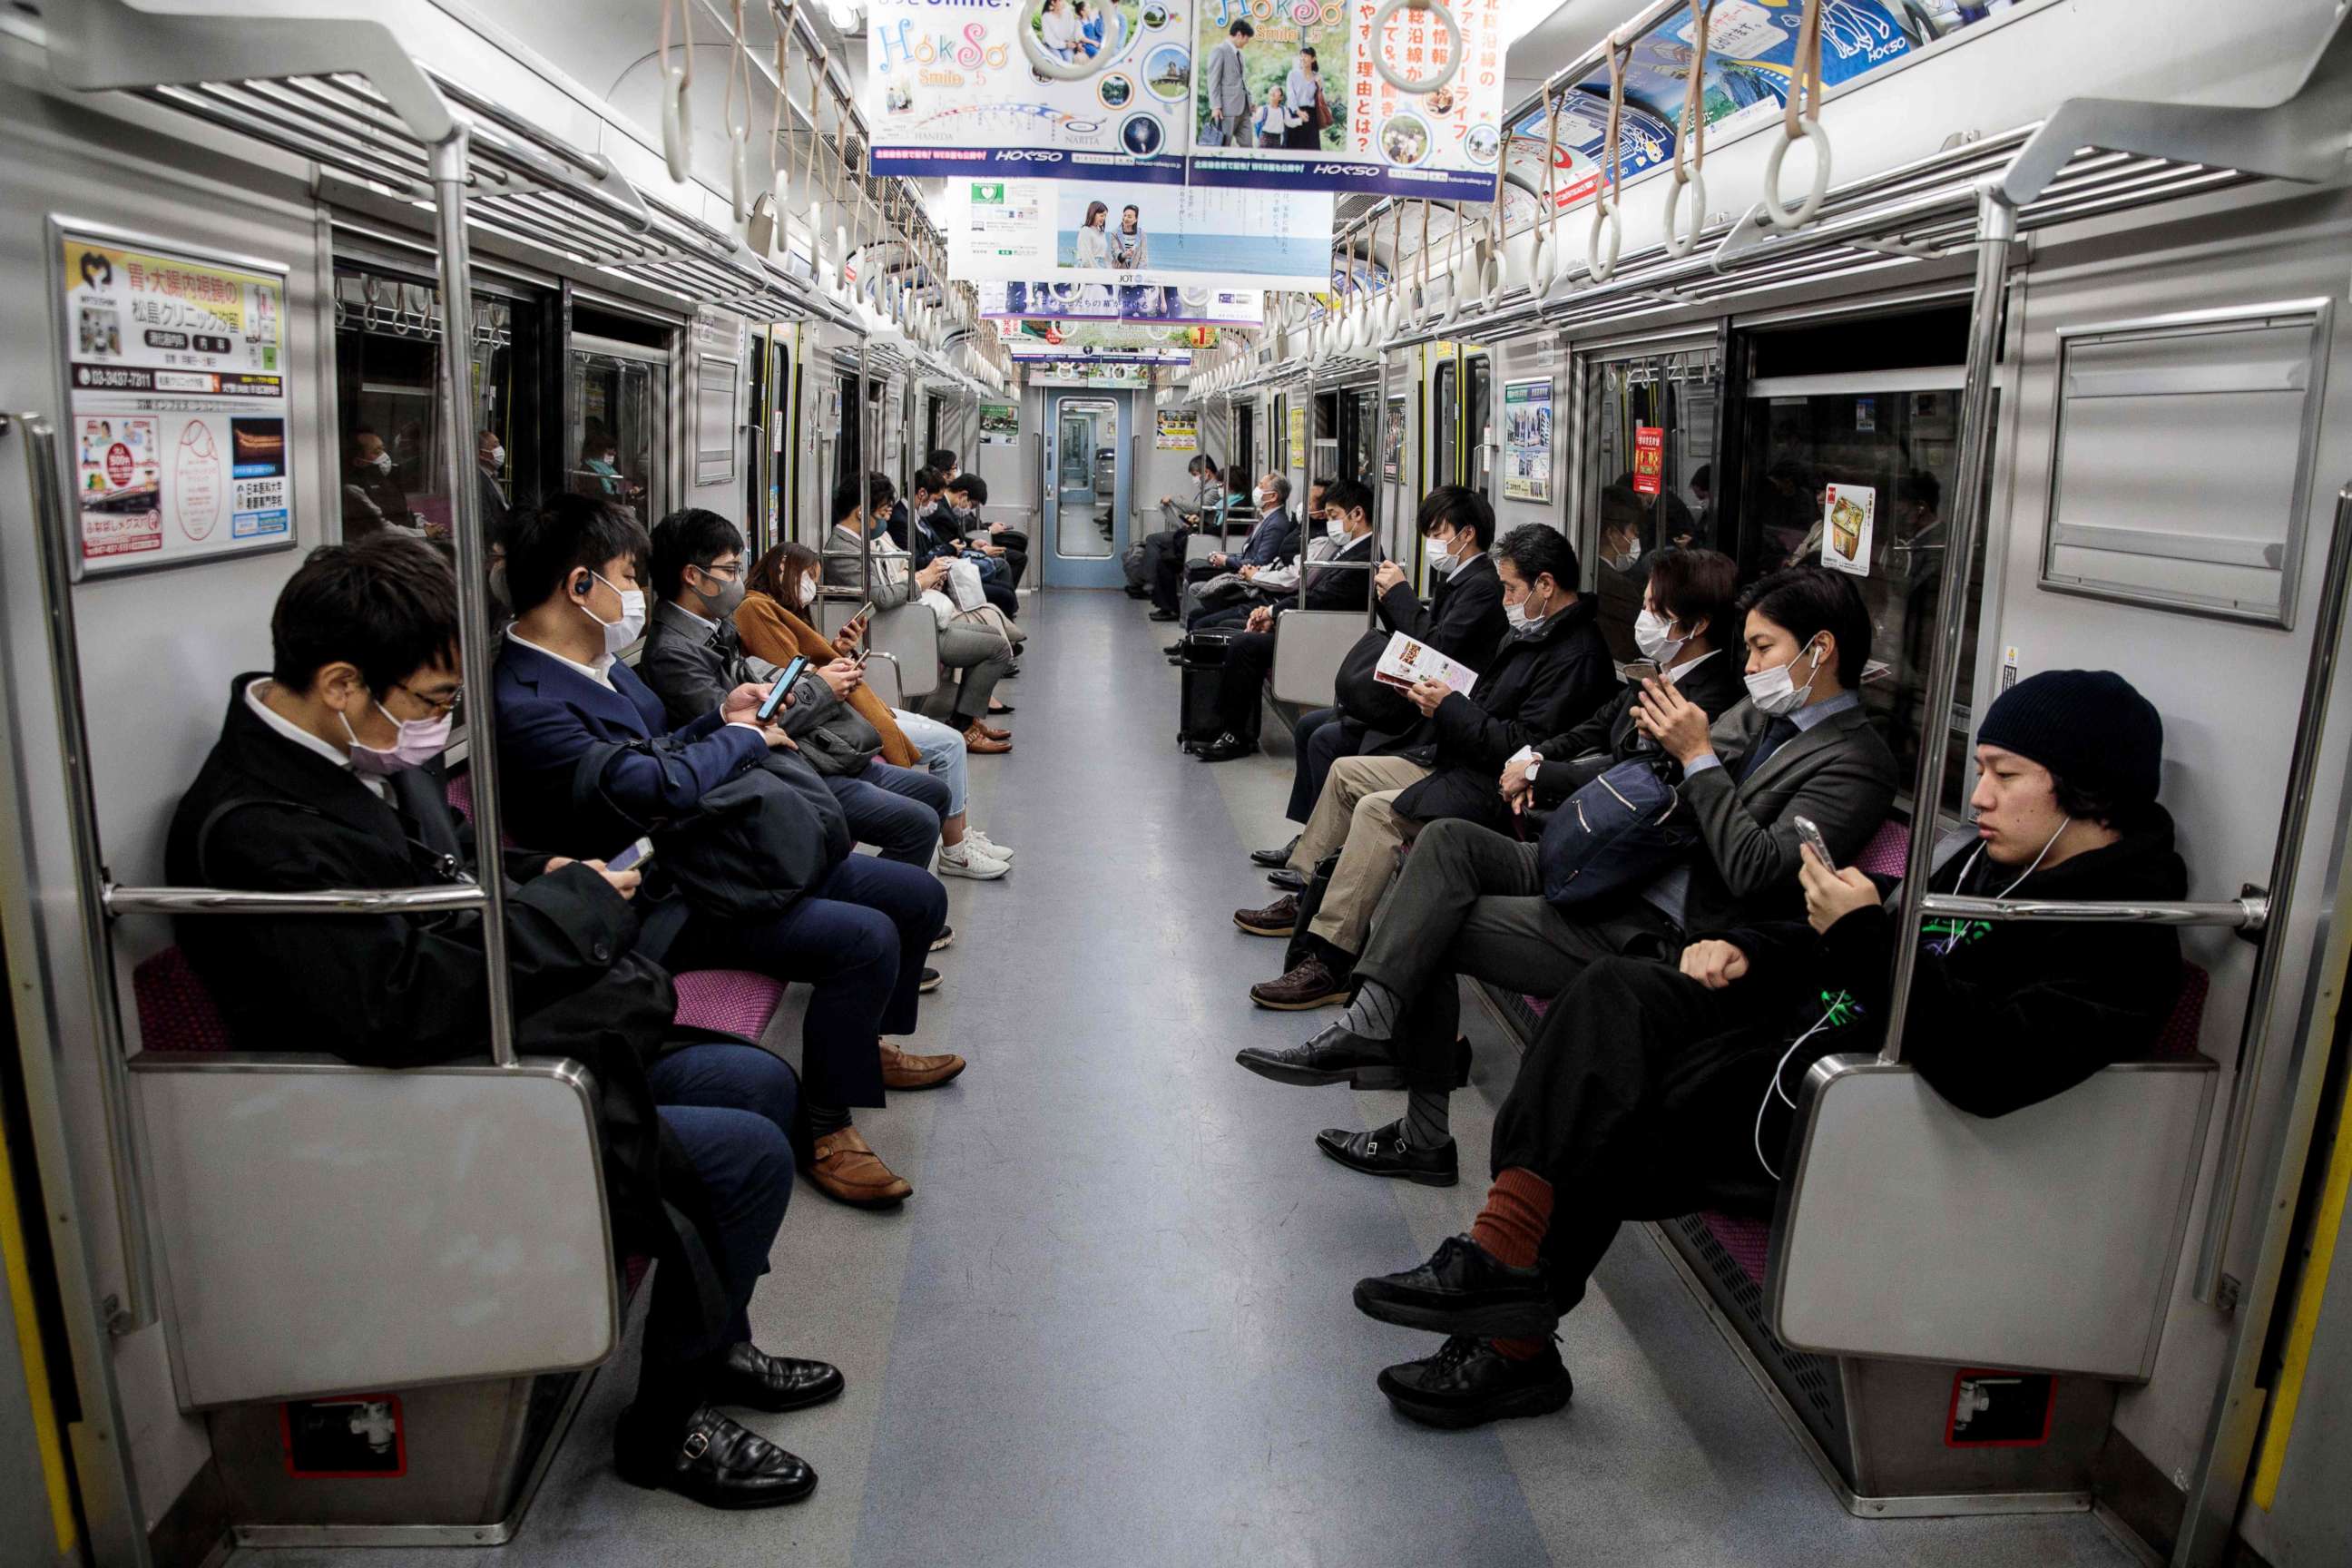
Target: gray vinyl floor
(1113,1325)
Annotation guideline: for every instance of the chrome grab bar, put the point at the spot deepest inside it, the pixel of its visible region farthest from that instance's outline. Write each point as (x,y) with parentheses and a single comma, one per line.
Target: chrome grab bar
(2250,913)
(123,901)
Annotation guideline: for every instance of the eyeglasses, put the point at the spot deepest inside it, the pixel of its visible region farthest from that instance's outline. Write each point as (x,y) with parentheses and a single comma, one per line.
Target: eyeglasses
(724,573)
(440,708)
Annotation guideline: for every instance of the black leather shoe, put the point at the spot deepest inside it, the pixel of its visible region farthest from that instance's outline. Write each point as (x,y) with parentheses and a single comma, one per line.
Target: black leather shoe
(774,1382)
(1226,747)
(1288,880)
(1163,614)
(718,1463)
(1387,1152)
(1461,1290)
(1135,593)
(1271,858)
(1469,1383)
(1333,1055)
(1172,650)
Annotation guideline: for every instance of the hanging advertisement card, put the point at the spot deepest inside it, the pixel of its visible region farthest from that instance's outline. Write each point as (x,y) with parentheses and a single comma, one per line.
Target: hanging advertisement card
(1649,459)
(1392,443)
(1180,430)
(1029,87)
(176,382)
(1526,440)
(1000,423)
(1847,513)
(1134,342)
(1306,95)
(1105,236)
(1297,436)
(1110,377)
(1146,303)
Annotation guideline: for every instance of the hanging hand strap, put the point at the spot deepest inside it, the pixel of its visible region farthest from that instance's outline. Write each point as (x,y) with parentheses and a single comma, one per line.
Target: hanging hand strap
(1605,200)
(1805,81)
(1694,132)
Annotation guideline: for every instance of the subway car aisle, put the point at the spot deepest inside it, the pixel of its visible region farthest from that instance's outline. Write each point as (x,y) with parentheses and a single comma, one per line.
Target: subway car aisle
(1113,1326)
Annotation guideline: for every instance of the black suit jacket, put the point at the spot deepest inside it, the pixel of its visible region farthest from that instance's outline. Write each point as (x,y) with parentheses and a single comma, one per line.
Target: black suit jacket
(1576,757)
(1347,589)
(1463,619)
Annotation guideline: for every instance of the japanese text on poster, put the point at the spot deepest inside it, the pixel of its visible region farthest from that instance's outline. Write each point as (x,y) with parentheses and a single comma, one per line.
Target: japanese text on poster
(1847,513)
(1526,440)
(1297,436)
(1105,237)
(1649,459)
(177,377)
(1179,431)
(1147,303)
(1392,443)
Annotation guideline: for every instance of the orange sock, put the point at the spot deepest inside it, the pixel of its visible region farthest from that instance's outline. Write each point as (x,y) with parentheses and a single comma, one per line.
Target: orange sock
(1519,1211)
(1519,1350)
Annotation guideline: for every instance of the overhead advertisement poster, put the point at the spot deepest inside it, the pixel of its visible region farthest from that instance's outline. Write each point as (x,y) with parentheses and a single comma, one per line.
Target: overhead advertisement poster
(1303,95)
(1100,377)
(1076,301)
(1023,87)
(1180,430)
(177,385)
(1113,237)
(1526,440)
(1000,423)
(1117,341)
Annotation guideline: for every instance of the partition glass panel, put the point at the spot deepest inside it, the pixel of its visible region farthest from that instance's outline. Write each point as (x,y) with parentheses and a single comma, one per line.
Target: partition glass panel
(617,405)
(1085,475)
(1477,426)
(1648,453)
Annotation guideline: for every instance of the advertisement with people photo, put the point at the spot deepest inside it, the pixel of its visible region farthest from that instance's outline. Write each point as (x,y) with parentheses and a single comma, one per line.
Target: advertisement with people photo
(1104,236)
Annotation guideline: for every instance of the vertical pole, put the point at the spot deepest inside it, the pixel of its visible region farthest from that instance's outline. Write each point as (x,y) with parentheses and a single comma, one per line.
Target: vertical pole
(1379,492)
(473,572)
(866,487)
(1996,229)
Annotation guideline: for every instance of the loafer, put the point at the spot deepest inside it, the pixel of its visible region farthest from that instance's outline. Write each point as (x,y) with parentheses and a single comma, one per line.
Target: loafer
(718,1462)
(1172,650)
(1333,1055)
(996,708)
(1226,747)
(752,1377)
(1135,593)
(1279,918)
(1163,614)
(845,1169)
(977,742)
(1306,987)
(1287,879)
(1387,1152)
(1469,1383)
(1461,1290)
(930,983)
(945,939)
(904,1069)
(1273,857)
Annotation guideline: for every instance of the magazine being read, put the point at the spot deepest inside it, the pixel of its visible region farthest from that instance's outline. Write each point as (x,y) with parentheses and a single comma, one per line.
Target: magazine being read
(1407,660)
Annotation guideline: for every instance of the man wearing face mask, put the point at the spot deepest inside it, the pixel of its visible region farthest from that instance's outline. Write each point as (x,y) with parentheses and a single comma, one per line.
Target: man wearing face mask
(323,777)
(858,932)
(372,497)
(1463,619)
(1274,537)
(1470,900)
(490,500)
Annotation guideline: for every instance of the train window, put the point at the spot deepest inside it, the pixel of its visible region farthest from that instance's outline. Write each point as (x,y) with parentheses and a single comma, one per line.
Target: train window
(387,390)
(1245,437)
(619,393)
(1650,438)
(1361,456)
(850,446)
(1446,421)
(1857,472)
(782,420)
(1478,425)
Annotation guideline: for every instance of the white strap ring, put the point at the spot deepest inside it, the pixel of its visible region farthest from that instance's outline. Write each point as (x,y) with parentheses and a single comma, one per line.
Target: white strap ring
(1453,47)
(1681,245)
(1604,213)
(1811,207)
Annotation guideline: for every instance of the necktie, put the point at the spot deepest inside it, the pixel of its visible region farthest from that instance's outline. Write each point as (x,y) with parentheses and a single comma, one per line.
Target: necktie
(1775,734)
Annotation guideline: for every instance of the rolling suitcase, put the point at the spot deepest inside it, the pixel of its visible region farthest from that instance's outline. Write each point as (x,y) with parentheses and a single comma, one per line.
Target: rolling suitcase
(1201,663)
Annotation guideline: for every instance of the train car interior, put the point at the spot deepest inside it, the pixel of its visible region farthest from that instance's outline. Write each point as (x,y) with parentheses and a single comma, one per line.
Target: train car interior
(1755,1031)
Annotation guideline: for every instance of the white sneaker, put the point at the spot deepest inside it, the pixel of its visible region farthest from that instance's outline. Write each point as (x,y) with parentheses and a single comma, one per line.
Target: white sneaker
(974,838)
(965,861)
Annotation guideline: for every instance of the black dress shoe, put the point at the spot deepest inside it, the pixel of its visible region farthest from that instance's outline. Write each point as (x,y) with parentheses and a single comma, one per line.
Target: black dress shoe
(1135,593)
(1469,1383)
(1226,747)
(1461,1290)
(718,1463)
(1172,650)
(1274,857)
(774,1382)
(1288,880)
(1387,1152)
(1163,614)
(1333,1055)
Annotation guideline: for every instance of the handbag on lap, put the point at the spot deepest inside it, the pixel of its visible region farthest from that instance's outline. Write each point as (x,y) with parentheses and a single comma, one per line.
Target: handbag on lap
(1616,833)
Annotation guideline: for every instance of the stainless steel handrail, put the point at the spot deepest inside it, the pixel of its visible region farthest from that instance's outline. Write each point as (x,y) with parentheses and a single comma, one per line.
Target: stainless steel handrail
(2250,913)
(123,901)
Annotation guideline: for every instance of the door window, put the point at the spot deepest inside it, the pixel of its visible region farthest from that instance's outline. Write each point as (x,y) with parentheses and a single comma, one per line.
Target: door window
(1649,446)
(617,404)
(1086,476)
(1477,422)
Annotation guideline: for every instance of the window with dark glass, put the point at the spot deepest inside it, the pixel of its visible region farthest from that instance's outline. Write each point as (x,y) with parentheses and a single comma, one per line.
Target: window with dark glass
(1649,453)
(1477,426)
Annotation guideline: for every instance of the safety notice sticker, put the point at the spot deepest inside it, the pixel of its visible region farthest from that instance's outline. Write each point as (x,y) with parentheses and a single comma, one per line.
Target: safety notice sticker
(178,381)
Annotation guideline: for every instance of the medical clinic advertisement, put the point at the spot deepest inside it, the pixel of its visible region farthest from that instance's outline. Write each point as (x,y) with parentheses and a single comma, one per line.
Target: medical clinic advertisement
(1105,236)
(1373,98)
(1150,303)
(1066,89)
(177,385)
(1526,440)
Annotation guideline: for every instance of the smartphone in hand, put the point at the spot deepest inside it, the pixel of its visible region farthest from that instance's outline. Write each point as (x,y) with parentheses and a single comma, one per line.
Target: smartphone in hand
(634,856)
(1810,837)
(786,679)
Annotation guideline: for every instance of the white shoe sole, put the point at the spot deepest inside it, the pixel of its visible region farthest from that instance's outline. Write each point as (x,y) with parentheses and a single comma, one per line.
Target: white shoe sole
(978,867)
(994,851)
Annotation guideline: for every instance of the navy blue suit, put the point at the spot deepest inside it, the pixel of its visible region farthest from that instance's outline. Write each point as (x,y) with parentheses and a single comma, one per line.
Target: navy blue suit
(858,938)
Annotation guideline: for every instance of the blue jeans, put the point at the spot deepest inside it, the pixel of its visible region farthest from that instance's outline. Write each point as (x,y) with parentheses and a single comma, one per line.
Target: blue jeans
(858,938)
(943,755)
(896,810)
(730,1108)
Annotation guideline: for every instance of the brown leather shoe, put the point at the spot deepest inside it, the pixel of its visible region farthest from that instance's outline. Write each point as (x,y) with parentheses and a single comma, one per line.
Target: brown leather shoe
(903,1069)
(1279,918)
(991,730)
(979,743)
(848,1171)
(1310,985)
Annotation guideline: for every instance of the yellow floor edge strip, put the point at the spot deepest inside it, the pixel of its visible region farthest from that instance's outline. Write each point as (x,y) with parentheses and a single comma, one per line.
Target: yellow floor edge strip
(36,1365)
(2280,1429)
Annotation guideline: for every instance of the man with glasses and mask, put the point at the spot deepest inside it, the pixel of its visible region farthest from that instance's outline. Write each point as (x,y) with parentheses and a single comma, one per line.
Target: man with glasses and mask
(1470,900)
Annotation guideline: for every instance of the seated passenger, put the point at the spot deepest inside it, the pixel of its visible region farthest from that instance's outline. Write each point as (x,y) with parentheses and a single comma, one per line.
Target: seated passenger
(325,776)
(1552,673)
(857,933)
(772,623)
(1470,900)
(1227,496)
(1654,1090)
(1272,534)
(1177,520)
(373,499)
(972,644)
(1261,581)
(693,659)
(1343,582)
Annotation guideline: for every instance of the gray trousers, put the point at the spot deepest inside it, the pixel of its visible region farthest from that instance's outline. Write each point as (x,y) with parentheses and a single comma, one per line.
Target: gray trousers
(1470,902)
(981,658)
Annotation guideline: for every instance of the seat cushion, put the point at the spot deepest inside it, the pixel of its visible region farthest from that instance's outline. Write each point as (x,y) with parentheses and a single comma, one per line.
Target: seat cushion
(1745,1238)
(1889,850)
(733,1000)
(175,1012)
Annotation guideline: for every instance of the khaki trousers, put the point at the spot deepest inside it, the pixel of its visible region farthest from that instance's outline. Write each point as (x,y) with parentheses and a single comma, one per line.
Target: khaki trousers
(1356,815)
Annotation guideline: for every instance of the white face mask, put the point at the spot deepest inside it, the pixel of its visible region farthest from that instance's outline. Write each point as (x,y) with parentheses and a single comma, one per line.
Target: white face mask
(497,458)
(420,740)
(808,589)
(1519,616)
(1625,563)
(1776,694)
(382,460)
(620,634)
(1653,635)
(1335,530)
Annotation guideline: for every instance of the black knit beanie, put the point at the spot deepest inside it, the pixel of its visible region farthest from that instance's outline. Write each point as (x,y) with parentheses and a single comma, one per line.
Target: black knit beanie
(2087,726)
